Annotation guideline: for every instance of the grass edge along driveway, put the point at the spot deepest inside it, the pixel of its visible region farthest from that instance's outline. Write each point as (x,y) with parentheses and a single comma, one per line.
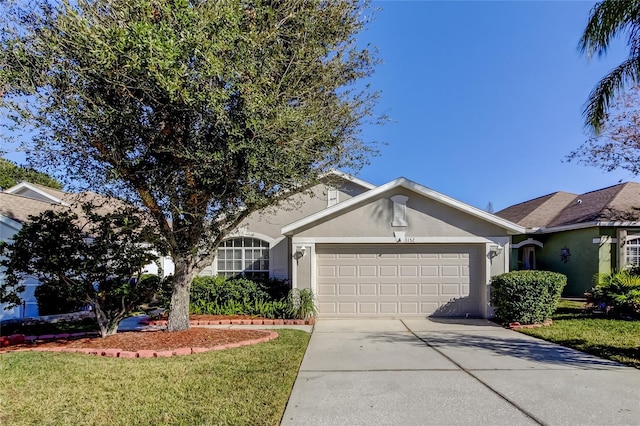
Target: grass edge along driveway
(614,339)
(248,385)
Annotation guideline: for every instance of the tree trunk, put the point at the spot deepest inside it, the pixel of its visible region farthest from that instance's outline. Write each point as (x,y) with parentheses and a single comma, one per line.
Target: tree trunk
(107,326)
(179,309)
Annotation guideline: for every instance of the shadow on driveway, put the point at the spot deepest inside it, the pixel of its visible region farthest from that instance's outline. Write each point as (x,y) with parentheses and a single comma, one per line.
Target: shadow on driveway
(474,346)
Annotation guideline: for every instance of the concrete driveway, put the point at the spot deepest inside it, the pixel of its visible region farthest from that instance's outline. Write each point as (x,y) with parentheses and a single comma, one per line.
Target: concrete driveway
(449,372)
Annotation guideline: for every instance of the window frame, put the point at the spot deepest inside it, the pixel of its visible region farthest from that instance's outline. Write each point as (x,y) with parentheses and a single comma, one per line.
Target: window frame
(247,251)
(633,243)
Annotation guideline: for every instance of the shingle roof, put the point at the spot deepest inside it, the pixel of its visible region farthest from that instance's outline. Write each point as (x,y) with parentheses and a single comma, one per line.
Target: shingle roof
(539,211)
(19,208)
(615,203)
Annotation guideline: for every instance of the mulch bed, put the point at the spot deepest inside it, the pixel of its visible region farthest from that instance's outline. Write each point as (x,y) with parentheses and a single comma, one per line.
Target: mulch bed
(154,340)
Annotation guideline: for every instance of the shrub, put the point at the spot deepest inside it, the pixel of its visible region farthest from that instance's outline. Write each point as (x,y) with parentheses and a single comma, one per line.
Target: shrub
(616,293)
(301,304)
(240,296)
(526,297)
(52,299)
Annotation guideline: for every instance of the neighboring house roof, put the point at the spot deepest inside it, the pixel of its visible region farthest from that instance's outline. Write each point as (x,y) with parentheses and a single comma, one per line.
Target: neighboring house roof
(16,206)
(413,186)
(617,203)
(539,211)
(19,208)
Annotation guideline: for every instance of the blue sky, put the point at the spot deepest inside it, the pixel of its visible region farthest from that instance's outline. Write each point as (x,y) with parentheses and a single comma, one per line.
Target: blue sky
(486,98)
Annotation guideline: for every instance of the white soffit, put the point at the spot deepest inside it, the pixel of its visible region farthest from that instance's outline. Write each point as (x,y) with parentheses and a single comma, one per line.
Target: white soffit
(26,185)
(413,186)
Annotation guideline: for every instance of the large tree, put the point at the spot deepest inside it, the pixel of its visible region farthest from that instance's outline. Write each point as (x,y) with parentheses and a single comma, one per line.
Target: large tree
(608,20)
(201,111)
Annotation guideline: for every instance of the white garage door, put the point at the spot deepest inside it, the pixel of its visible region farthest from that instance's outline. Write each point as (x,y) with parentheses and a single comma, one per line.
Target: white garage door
(398,280)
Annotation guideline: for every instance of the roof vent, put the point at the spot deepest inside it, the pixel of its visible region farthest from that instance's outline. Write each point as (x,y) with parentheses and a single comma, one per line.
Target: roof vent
(579,202)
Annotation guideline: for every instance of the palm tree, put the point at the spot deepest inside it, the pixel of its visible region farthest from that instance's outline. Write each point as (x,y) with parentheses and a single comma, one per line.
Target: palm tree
(608,19)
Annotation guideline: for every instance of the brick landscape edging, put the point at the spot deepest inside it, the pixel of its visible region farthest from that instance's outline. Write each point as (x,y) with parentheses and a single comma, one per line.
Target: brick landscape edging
(119,353)
(518,326)
(259,321)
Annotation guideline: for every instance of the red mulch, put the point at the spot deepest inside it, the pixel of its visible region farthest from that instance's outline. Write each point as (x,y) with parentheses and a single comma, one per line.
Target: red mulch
(156,340)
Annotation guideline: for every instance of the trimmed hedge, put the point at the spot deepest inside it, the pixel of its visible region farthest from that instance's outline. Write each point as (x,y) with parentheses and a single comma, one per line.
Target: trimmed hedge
(527,297)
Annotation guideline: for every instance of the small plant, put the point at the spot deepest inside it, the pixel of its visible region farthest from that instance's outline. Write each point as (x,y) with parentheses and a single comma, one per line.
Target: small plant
(302,304)
(527,297)
(616,293)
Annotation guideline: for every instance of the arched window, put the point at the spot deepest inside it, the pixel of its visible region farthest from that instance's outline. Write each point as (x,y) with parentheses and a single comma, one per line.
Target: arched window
(633,252)
(244,256)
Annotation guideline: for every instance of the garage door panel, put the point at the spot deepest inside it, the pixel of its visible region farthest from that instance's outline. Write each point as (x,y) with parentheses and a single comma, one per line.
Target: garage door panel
(326,271)
(397,280)
(409,271)
(369,289)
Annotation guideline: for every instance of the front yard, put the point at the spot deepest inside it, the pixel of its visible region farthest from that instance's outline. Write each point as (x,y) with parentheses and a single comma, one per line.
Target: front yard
(614,339)
(248,385)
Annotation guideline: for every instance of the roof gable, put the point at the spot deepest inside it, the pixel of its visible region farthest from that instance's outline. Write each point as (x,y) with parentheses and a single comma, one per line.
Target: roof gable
(421,190)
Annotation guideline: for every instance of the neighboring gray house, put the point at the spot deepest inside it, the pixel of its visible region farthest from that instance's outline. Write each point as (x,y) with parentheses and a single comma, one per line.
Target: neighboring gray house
(400,249)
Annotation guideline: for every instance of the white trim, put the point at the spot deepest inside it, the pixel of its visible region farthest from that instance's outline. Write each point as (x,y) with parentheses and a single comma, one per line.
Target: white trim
(389,240)
(486,285)
(27,185)
(582,226)
(605,240)
(251,234)
(529,241)
(412,186)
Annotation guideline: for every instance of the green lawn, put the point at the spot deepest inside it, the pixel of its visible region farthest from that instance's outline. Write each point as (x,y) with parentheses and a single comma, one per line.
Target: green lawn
(613,339)
(248,385)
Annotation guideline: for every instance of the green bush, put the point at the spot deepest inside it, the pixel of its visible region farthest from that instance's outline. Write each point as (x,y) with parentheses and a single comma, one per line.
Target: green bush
(616,293)
(240,296)
(527,297)
(52,300)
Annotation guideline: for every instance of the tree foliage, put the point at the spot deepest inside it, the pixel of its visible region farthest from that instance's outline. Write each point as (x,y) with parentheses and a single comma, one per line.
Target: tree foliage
(608,20)
(11,174)
(201,111)
(91,258)
(617,146)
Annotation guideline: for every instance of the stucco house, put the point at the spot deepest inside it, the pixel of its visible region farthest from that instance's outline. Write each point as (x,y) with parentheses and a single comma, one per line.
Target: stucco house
(399,249)
(579,235)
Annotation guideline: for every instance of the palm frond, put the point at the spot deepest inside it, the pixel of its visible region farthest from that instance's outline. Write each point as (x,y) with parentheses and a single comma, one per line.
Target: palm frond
(604,93)
(607,20)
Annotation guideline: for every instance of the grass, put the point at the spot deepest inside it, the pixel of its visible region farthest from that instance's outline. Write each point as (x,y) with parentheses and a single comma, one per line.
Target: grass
(248,385)
(614,339)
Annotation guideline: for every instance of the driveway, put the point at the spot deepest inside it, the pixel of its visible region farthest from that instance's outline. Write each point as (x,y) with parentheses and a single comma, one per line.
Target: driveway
(449,372)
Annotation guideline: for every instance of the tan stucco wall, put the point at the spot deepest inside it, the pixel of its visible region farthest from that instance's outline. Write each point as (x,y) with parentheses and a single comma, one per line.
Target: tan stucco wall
(425,218)
(270,221)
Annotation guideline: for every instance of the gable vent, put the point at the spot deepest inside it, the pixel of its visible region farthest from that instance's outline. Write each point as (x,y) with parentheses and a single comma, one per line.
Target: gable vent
(399,210)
